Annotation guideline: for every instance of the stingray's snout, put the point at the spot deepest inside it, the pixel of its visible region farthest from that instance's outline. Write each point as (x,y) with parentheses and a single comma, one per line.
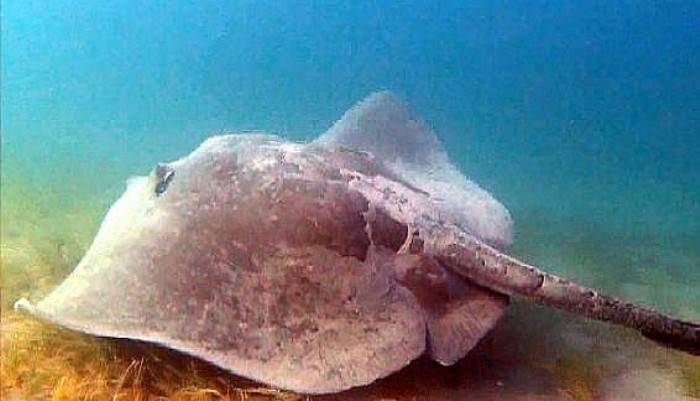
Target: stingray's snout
(23,305)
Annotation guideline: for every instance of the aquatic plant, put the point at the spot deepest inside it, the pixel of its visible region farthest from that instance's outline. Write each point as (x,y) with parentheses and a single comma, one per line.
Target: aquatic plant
(41,361)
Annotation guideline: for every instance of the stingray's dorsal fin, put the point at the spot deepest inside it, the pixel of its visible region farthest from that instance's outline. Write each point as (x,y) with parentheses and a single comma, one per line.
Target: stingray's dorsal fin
(383,126)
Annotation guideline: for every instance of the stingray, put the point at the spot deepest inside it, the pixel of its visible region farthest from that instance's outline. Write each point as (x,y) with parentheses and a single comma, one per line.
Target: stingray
(321,266)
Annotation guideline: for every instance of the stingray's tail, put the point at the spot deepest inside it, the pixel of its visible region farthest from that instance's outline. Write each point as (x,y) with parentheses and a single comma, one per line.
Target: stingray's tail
(490,268)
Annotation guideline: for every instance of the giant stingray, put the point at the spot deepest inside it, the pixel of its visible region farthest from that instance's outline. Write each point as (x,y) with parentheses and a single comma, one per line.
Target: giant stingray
(317,267)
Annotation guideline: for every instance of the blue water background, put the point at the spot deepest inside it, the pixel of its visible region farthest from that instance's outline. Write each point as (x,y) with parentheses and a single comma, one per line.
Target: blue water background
(582,117)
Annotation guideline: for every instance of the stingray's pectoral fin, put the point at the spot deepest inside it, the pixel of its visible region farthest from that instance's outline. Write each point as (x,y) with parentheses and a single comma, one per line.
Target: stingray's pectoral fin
(458,314)
(490,268)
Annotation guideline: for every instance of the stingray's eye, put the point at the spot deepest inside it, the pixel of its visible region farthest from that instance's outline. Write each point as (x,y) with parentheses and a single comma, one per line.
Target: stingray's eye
(164,175)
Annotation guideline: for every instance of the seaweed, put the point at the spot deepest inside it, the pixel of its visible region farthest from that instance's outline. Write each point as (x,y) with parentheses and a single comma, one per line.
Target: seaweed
(41,361)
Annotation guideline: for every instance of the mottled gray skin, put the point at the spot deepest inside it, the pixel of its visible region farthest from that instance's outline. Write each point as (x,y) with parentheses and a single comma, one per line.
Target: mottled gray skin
(275,261)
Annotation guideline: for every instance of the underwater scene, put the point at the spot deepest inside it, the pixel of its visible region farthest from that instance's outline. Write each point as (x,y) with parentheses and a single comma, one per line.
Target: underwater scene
(459,134)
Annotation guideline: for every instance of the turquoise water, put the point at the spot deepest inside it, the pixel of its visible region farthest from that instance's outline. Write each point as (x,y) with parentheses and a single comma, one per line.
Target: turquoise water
(583,118)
